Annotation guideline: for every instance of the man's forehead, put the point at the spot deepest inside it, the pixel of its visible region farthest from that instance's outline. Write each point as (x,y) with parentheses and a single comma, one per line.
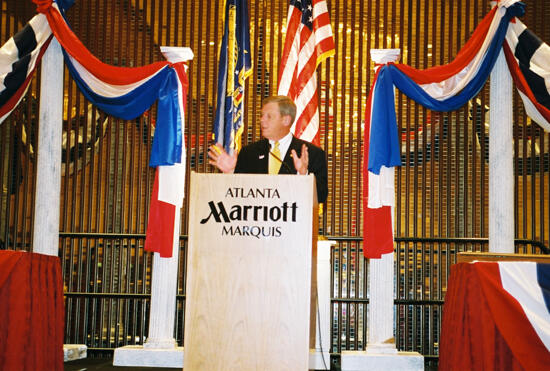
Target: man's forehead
(270,107)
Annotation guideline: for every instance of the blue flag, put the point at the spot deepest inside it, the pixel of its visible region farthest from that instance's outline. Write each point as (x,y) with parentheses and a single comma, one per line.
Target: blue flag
(234,67)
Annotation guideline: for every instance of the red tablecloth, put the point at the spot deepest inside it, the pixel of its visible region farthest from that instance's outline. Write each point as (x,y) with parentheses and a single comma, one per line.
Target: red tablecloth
(483,327)
(31,312)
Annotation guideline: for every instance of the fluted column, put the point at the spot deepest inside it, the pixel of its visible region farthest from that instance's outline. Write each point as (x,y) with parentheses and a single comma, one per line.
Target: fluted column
(380,338)
(163,295)
(381,352)
(380,319)
(160,349)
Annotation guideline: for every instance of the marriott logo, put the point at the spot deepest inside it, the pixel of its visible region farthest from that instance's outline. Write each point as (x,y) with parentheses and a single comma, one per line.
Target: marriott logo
(282,213)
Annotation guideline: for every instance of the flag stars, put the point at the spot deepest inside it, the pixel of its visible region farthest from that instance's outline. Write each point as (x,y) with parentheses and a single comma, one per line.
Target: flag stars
(307,13)
(304,6)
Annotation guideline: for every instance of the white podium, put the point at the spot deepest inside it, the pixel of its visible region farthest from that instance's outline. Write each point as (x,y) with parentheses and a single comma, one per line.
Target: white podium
(252,241)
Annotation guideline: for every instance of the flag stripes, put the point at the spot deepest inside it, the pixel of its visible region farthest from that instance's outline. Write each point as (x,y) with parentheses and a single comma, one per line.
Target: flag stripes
(308,42)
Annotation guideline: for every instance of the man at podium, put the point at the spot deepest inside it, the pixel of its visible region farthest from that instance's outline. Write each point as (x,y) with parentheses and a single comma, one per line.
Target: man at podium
(279,152)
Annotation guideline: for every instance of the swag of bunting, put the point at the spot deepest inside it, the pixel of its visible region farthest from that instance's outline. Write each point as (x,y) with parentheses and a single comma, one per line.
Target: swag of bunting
(440,88)
(121,92)
(528,60)
(19,57)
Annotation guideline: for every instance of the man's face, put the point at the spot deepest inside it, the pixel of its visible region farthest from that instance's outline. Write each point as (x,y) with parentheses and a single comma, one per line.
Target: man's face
(273,125)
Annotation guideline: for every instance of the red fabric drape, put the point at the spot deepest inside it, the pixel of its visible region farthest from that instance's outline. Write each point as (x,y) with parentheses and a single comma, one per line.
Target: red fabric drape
(483,329)
(160,226)
(31,312)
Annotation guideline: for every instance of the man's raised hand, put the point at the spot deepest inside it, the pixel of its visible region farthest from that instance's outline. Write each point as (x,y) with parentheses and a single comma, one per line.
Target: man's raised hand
(219,158)
(301,163)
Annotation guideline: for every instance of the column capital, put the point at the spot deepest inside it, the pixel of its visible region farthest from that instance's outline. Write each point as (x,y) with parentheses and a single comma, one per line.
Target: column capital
(176,54)
(383,56)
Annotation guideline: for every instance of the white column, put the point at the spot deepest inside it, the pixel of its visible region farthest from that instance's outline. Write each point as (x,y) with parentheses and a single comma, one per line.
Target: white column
(165,270)
(380,337)
(160,349)
(45,239)
(501,160)
(319,358)
(163,296)
(48,162)
(380,319)
(381,352)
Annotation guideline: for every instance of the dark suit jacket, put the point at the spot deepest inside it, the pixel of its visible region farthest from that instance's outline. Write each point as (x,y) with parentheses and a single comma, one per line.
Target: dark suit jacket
(254,159)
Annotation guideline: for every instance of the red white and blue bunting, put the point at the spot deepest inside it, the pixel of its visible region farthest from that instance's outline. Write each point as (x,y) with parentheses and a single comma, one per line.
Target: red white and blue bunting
(444,88)
(119,91)
(19,57)
(528,59)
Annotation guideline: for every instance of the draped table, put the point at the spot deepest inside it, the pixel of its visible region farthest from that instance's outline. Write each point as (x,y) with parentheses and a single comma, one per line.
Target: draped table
(490,314)
(31,311)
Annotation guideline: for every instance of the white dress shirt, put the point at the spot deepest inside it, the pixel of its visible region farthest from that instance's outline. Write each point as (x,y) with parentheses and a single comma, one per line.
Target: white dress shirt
(284,143)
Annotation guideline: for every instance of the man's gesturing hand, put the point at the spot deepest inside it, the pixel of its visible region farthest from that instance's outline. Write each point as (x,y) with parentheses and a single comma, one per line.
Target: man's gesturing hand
(301,163)
(221,159)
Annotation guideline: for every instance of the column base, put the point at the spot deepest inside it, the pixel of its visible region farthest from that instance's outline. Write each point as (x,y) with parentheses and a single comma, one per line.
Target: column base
(398,361)
(139,356)
(319,360)
(168,343)
(72,352)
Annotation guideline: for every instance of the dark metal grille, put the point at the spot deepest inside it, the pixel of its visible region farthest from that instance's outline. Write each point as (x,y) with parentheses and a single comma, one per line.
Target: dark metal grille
(442,187)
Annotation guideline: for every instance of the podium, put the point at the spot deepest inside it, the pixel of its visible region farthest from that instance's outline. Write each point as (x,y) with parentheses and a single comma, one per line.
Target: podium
(252,241)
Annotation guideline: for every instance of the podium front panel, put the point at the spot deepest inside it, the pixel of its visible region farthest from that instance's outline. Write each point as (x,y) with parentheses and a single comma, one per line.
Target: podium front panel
(249,272)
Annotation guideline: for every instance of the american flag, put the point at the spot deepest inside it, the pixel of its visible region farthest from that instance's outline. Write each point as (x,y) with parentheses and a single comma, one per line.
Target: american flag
(308,42)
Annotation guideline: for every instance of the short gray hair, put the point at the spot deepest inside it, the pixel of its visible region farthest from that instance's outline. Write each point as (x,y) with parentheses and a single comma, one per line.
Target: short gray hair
(286,105)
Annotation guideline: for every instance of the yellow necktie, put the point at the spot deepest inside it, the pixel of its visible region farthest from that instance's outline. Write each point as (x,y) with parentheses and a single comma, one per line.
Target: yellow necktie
(275,163)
